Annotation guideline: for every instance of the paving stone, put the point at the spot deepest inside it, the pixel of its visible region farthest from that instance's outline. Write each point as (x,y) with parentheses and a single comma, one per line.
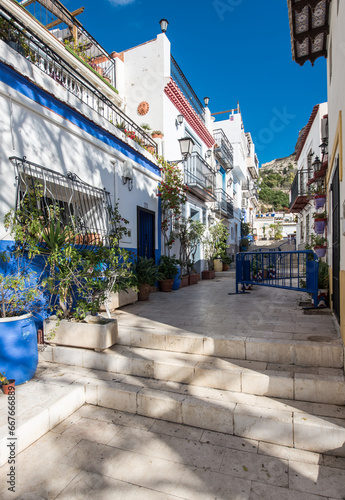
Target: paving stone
(316,479)
(261,491)
(228,441)
(287,453)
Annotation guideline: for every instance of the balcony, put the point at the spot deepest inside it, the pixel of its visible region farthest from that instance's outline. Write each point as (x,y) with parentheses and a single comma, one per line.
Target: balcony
(27,43)
(223,150)
(252,166)
(199,178)
(224,204)
(299,191)
(178,76)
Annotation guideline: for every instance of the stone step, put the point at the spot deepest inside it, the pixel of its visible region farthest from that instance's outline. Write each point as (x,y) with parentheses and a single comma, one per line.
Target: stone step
(321,351)
(305,426)
(39,408)
(320,385)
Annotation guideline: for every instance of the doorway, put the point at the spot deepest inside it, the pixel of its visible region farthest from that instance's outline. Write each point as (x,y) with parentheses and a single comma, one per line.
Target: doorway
(336,241)
(146,233)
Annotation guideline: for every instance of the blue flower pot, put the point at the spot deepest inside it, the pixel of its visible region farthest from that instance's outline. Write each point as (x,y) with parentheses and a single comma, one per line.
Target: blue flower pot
(177,279)
(18,348)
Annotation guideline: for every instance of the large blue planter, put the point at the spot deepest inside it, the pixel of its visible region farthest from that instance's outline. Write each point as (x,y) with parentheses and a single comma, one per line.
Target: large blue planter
(18,348)
(177,279)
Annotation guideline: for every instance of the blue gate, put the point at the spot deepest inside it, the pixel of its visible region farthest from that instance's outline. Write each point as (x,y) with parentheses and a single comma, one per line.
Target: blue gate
(297,270)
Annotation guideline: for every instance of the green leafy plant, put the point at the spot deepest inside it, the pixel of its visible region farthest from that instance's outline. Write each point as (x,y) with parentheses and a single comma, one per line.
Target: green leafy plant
(215,243)
(3,379)
(157,132)
(189,232)
(145,126)
(317,240)
(226,259)
(323,275)
(167,268)
(172,195)
(320,215)
(146,271)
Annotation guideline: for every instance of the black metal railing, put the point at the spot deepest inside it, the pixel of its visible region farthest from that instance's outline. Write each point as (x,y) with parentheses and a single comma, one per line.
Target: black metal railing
(198,171)
(224,203)
(245,185)
(38,53)
(223,149)
(187,90)
(74,203)
(299,186)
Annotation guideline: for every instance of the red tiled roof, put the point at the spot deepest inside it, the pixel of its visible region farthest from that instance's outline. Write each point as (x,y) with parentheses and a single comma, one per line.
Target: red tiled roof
(306,131)
(180,102)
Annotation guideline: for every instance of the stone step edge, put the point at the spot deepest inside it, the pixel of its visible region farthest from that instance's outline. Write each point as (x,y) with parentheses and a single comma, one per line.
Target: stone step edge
(29,430)
(286,428)
(294,352)
(323,389)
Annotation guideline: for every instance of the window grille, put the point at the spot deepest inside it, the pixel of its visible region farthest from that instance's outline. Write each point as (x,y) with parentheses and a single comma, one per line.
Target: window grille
(74,203)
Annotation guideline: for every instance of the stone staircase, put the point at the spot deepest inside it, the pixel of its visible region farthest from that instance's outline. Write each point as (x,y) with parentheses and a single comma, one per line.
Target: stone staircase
(285,392)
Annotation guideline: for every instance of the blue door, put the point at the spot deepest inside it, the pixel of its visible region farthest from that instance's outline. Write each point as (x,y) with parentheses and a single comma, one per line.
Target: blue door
(146,233)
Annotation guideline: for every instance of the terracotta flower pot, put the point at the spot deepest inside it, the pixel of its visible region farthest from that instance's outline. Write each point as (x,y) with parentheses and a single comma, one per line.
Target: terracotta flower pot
(194,278)
(144,292)
(226,267)
(208,275)
(9,388)
(184,281)
(166,285)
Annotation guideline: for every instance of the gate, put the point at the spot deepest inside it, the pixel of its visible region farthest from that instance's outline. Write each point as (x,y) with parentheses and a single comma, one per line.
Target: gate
(297,270)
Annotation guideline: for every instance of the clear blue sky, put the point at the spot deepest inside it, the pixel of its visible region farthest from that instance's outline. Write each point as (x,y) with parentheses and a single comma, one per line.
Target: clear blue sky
(229,50)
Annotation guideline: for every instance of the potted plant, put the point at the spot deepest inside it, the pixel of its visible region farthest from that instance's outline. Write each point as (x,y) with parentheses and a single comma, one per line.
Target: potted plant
(320,221)
(167,270)
(77,280)
(319,244)
(226,259)
(320,198)
(8,386)
(244,244)
(157,134)
(323,283)
(20,298)
(189,232)
(146,275)
(215,246)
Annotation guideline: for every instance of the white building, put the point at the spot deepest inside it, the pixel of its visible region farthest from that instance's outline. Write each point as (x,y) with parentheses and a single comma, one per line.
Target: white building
(242,181)
(159,95)
(302,190)
(61,111)
(262,227)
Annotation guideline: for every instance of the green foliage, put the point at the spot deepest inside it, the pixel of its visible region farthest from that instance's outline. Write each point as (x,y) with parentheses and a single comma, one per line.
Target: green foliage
(146,271)
(271,186)
(3,379)
(276,230)
(246,229)
(323,275)
(215,243)
(167,268)
(78,280)
(172,195)
(18,294)
(317,240)
(189,232)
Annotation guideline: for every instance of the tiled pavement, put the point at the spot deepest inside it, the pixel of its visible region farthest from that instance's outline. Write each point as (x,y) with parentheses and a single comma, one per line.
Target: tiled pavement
(102,453)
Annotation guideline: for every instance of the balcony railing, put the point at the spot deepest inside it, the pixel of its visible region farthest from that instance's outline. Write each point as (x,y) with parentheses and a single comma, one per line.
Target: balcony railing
(224,204)
(300,191)
(73,202)
(223,149)
(199,177)
(184,85)
(28,45)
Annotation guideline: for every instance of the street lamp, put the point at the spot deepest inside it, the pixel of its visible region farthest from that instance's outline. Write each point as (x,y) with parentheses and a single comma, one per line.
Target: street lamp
(317,164)
(206,101)
(164,25)
(186,146)
(179,120)
(208,153)
(323,147)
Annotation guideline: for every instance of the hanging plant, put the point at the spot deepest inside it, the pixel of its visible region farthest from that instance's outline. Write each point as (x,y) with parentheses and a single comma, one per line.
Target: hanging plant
(172,195)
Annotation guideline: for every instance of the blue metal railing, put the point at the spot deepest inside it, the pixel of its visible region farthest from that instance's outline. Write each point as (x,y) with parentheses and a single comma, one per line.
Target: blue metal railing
(298,270)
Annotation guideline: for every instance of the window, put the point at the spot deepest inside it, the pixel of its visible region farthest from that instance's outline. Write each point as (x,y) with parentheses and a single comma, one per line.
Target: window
(71,200)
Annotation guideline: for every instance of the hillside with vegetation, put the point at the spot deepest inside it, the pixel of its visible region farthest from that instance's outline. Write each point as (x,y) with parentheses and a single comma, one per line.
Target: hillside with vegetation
(275,180)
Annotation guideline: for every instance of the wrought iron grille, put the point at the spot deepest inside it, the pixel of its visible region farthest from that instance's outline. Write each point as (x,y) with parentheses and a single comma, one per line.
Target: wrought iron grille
(68,199)
(26,43)
(224,203)
(197,171)
(184,85)
(223,149)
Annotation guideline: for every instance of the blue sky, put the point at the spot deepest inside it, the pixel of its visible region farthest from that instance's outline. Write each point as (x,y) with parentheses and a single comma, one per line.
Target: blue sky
(229,50)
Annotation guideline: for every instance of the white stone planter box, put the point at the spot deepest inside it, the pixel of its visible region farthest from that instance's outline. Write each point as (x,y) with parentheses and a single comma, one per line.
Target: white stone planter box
(98,336)
(121,298)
